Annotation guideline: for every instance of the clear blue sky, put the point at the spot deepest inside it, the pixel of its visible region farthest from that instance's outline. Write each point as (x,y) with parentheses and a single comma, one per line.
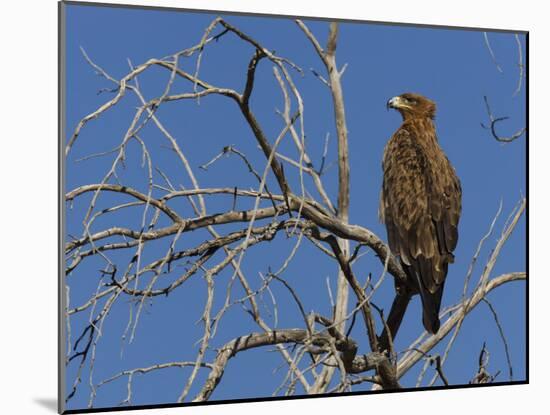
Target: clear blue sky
(451,67)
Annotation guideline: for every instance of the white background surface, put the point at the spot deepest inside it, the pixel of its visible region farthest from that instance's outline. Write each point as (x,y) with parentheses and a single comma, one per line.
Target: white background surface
(28,208)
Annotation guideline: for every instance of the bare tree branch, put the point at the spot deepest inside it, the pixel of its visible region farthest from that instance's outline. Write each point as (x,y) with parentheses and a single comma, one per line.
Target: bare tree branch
(492,126)
(255,340)
(162,258)
(412,357)
(490,49)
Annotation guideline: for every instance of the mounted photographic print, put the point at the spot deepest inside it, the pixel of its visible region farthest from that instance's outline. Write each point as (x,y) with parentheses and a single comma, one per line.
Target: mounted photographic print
(260,207)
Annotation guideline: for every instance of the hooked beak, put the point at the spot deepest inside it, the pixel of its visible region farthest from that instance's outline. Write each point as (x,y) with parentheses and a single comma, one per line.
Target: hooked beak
(392,103)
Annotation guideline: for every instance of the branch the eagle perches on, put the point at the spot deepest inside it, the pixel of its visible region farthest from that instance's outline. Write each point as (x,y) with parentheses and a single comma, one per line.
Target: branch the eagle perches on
(292,210)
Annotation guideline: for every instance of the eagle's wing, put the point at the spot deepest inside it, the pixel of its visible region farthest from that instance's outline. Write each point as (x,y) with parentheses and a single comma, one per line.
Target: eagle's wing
(420,205)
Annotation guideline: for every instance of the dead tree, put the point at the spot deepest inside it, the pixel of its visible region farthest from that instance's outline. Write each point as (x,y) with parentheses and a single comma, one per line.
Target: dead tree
(322,346)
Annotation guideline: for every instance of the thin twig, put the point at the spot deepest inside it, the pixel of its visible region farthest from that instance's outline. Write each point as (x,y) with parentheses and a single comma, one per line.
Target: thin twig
(503,337)
(492,126)
(493,57)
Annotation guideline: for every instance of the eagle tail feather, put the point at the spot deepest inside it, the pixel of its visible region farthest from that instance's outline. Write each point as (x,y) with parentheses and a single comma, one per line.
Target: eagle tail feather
(397,312)
(431,304)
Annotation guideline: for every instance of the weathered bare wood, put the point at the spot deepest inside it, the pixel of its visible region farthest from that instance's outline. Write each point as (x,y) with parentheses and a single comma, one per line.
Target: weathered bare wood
(466,306)
(299,336)
(327,226)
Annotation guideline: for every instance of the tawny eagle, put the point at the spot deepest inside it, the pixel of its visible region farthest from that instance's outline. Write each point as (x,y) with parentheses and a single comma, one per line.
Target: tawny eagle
(420,205)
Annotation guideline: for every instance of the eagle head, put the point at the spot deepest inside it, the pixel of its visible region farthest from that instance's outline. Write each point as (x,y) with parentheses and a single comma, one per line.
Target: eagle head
(412,105)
